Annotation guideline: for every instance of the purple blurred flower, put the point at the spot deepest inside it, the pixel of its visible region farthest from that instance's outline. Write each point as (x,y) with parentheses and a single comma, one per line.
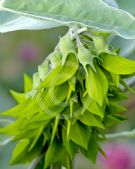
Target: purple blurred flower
(28,51)
(119,157)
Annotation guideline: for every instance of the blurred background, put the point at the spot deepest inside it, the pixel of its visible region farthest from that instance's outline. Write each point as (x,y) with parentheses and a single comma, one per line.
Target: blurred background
(22,51)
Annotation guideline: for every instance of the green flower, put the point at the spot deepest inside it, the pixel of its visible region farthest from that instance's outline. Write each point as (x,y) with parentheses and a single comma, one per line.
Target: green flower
(70,103)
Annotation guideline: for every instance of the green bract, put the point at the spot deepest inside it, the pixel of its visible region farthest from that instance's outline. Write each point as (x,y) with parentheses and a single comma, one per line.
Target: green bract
(70,103)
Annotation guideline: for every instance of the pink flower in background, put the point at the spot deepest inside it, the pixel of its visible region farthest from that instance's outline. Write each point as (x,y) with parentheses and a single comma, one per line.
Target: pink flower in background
(28,51)
(119,157)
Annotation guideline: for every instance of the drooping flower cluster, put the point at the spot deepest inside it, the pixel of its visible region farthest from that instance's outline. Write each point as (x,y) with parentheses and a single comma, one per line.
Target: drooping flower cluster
(71,102)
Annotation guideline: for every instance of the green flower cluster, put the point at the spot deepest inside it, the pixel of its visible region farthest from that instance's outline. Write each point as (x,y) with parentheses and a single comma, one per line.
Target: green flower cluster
(71,102)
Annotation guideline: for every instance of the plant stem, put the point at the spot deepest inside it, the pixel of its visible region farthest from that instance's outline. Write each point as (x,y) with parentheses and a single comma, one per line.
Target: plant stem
(131,82)
(121,135)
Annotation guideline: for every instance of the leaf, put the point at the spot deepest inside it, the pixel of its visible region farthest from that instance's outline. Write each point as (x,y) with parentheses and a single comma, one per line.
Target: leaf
(100,43)
(107,18)
(90,120)
(36,80)
(114,108)
(80,134)
(20,148)
(21,153)
(55,95)
(25,134)
(66,47)
(117,95)
(27,83)
(35,140)
(116,79)
(92,149)
(10,21)
(61,73)
(92,106)
(55,149)
(117,64)
(70,147)
(125,5)
(85,57)
(72,83)
(19,97)
(43,69)
(42,116)
(96,85)
(13,128)
(111,120)
(55,59)
(34,125)
(15,111)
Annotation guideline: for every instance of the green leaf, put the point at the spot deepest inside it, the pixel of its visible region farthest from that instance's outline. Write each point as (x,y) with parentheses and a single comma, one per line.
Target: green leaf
(61,73)
(15,111)
(96,85)
(117,94)
(125,5)
(43,69)
(85,57)
(36,80)
(92,150)
(55,95)
(19,97)
(72,83)
(55,59)
(90,120)
(100,43)
(20,148)
(21,153)
(70,146)
(25,134)
(10,129)
(117,64)
(107,18)
(80,134)
(66,47)
(116,79)
(114,108)
(27,83)
(55,149)
(35,140)
(92,106)
(111,120)
(10,21)
(34,125)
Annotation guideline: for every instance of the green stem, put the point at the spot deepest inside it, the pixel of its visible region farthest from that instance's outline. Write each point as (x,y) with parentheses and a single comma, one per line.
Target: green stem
(121,135)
